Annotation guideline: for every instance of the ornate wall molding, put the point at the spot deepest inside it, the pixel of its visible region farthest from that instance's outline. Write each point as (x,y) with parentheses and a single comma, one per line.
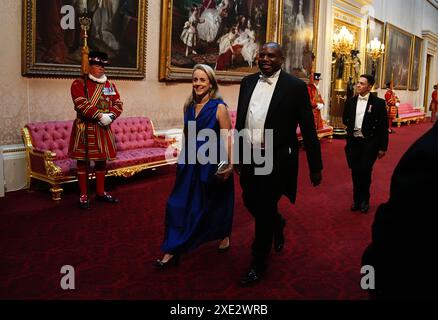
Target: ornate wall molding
(432,42)
(347,17)
(354,8)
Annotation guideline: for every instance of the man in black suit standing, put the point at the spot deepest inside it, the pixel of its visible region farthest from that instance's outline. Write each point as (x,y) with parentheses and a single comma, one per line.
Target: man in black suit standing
(367,139)
(273,103)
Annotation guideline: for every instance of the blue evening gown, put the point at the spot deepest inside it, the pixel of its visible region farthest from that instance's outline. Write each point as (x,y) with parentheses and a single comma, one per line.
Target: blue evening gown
(199,208)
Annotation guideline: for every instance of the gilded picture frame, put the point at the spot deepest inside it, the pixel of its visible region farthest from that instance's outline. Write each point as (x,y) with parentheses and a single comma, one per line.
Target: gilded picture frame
(50,49)
(414,73)
(214,33)
(298,35)
(375,29)
(397,61)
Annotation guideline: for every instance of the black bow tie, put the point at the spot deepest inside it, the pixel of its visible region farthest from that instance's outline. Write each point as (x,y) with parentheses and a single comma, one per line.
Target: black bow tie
(266,79)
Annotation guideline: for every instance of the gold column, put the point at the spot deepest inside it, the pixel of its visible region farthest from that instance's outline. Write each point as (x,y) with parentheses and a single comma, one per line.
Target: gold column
(337,101)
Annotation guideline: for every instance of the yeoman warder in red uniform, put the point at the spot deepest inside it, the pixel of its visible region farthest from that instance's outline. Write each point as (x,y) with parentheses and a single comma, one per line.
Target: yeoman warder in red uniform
(96,108)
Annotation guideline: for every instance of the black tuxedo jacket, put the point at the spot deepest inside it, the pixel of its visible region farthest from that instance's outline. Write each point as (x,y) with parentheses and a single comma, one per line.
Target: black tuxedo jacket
(375,121)
(289,106)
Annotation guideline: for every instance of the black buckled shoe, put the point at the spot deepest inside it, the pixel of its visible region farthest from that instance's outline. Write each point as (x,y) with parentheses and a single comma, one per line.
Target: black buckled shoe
(107,198)
(252,277)
(364,206)
(355,206)
(279,236)
(84,203)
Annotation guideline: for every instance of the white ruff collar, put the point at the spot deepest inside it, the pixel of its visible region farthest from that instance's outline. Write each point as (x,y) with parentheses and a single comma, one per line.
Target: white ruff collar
(102,79)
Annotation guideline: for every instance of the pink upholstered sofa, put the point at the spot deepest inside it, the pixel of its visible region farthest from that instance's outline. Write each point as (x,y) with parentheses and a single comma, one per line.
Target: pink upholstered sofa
(407,113)
(138,149)
(326,131)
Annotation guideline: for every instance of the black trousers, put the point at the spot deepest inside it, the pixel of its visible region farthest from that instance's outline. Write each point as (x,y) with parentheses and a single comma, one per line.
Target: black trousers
(261,194)
(361,155)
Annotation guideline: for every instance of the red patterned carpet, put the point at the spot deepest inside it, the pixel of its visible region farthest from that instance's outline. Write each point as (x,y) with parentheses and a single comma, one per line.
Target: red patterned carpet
(112,247)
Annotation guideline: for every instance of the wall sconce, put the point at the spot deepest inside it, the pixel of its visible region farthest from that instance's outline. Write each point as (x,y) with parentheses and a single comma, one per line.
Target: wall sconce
(375,49)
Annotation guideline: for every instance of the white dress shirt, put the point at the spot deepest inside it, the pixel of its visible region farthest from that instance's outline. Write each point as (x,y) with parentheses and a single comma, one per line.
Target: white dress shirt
(258,109)
(360,110)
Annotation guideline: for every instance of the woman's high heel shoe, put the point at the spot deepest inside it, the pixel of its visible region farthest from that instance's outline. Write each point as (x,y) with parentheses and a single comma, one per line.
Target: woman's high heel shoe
(224,249)
(172,261)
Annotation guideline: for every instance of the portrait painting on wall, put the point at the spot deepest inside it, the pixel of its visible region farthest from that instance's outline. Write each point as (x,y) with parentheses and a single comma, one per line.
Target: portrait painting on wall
(224,34)
(375,29)
(414,77)
(52,42)
(298,34)
(397,56)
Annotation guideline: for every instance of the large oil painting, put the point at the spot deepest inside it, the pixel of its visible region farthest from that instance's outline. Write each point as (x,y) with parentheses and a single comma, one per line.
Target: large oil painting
(414,78)
(397,57)
(52,40)
(298,35)
(225,34)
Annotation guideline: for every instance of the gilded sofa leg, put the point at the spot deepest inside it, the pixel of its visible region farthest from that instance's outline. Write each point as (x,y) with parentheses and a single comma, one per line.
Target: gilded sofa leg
(398,124)
(56,192)
(29,182)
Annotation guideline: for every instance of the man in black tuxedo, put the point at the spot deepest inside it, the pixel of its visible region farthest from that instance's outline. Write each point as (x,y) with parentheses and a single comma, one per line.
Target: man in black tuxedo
(404,232)
(367,138)
(273,102)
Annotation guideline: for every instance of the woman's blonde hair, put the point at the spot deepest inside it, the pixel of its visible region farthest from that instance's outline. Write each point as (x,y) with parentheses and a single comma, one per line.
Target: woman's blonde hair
(214,91)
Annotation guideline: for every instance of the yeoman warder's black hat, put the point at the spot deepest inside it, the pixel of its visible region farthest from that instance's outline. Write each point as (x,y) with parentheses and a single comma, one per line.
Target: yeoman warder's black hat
(97,57)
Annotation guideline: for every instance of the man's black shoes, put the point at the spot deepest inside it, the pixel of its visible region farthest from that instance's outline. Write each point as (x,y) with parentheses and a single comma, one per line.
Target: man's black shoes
(252,277)
(106,197)
(355,206)
(84,203)
(364,206)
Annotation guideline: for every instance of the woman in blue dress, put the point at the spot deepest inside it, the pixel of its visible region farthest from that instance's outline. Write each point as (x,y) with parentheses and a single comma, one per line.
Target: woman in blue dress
(200,206)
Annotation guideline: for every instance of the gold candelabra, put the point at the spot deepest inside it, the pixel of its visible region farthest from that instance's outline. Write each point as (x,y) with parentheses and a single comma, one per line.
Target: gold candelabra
(342,46)
(343,41)
(375,49)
